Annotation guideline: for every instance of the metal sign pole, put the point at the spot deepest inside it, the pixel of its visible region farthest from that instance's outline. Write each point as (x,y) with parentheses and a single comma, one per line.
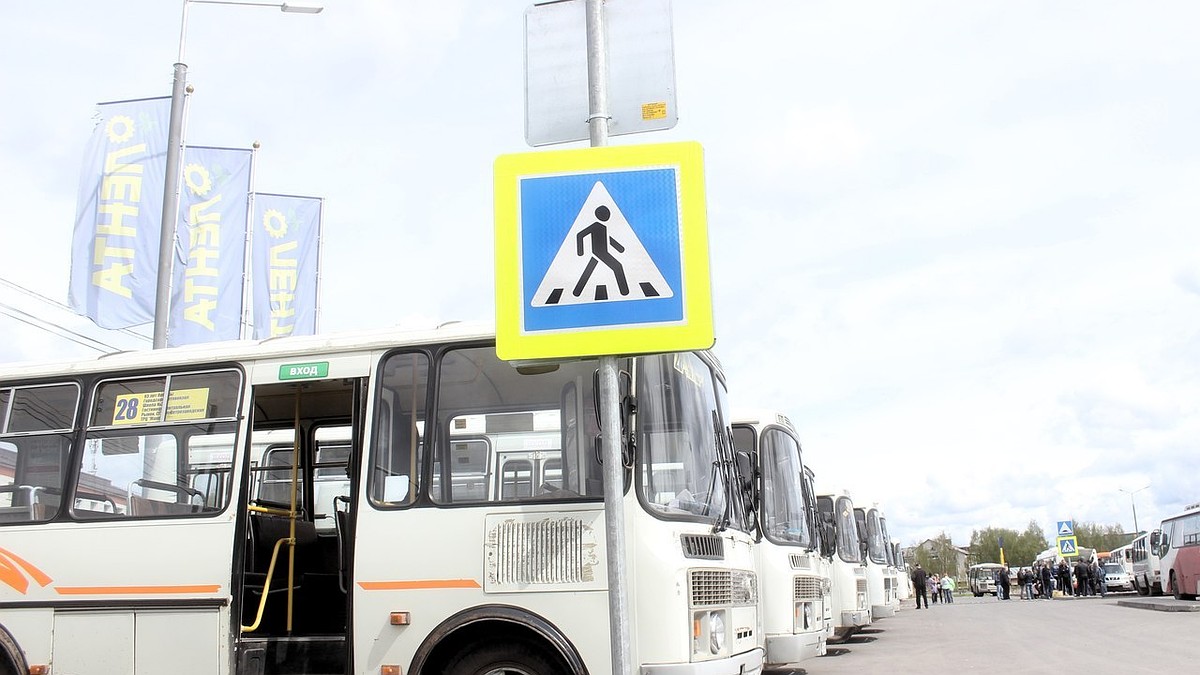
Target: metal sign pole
(610,434)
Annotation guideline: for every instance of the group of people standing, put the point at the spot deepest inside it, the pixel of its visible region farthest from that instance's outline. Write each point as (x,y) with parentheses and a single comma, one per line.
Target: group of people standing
(938,587)
(1083,578)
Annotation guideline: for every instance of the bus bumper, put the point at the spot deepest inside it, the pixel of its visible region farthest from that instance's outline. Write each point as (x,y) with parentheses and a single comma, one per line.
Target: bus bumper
(856,617)
(749,663)
(882,611)
(794,648)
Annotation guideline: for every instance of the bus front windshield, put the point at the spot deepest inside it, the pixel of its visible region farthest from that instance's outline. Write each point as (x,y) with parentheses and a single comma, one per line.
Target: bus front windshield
(784,516)
(841,512)
(685,460)
(875,546)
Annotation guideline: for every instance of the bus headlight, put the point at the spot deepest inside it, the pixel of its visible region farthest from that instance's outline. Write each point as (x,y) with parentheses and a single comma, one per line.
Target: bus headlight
(716,632)
(804,616)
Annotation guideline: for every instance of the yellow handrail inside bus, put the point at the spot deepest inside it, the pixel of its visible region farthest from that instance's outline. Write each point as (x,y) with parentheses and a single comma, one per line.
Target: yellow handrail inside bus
(290,514)
(262,603)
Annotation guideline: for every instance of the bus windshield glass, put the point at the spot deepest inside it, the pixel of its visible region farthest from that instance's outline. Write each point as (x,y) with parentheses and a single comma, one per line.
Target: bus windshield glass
(841,511)
(784,517)
(684,457)
(875,545)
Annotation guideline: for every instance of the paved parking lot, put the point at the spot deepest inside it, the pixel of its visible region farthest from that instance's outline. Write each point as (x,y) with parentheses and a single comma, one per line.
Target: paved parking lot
(984,635)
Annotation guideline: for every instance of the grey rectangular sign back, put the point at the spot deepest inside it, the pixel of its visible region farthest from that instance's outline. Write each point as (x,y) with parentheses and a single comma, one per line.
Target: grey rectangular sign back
(641,69)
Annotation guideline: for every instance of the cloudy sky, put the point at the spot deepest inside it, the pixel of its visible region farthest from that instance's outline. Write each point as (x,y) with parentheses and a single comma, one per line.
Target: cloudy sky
(955,242)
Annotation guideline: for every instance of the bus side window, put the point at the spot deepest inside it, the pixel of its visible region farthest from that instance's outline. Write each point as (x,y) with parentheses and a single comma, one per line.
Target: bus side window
(397,443)
(36,425)
(141,458)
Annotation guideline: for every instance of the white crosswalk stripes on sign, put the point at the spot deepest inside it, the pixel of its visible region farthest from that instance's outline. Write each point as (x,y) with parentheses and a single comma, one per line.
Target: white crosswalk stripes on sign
(601,259)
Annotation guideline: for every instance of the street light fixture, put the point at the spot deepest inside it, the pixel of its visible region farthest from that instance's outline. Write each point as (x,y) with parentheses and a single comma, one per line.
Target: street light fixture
(166,243)
(1131,493)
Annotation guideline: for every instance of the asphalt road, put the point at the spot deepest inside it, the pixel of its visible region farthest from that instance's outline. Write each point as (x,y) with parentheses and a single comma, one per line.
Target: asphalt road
(1061,636)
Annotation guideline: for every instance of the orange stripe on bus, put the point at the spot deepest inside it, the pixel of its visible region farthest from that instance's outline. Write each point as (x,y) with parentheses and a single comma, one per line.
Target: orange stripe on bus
(11,566)
(139,590)
(419,584)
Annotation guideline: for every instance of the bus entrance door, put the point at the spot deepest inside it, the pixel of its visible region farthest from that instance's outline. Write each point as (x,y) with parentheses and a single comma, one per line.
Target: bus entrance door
(293,601)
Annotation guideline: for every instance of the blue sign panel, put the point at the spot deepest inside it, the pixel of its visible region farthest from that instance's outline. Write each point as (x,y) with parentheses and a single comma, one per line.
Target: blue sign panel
(600,249)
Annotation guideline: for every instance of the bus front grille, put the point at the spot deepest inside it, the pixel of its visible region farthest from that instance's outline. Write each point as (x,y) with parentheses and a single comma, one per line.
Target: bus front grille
(708,588)
(807,588)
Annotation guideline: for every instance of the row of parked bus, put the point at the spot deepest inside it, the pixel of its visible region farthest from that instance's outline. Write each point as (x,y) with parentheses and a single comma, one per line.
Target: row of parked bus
(404,503)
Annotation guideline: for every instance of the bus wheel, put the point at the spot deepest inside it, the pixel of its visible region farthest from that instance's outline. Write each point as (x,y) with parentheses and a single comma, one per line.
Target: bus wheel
(1141,590)
(518,658)
(12,662)
(1175,590)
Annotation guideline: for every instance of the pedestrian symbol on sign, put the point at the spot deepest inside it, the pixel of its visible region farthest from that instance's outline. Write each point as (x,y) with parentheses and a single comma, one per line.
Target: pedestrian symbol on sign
(600,234)
(1067,547)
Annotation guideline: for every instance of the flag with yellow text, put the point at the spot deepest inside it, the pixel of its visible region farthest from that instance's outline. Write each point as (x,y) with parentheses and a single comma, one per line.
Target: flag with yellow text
(208,272)
(285,245)
(114,250)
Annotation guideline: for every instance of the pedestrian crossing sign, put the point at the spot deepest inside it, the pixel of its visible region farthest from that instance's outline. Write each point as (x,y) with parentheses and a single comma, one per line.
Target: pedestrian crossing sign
(1067,546)
(601,251)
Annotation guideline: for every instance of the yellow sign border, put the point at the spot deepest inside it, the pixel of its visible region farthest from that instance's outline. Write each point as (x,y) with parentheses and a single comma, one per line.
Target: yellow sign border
(1074,542)
(696,329)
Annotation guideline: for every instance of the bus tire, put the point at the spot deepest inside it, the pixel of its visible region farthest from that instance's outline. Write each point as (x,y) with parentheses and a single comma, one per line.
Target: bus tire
(12,661)
(514,658)
(1141,590)
(1174,586)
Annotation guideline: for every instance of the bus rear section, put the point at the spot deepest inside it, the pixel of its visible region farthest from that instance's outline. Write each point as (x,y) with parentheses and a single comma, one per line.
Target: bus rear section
(1180,552)
(1145,563)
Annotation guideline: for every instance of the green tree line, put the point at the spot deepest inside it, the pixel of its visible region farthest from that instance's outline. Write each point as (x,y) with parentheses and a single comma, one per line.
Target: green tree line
(1022,548)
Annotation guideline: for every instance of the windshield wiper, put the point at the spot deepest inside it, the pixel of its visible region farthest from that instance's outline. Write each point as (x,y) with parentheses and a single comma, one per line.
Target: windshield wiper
(722,462)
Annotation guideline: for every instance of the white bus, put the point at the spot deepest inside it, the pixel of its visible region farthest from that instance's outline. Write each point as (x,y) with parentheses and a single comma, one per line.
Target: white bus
(1144,554)
(903,574)
(793,577)
(1180,553)
(1122,555)
(892,573)
(981,578)
(377,504)
(848,573)
(881,583)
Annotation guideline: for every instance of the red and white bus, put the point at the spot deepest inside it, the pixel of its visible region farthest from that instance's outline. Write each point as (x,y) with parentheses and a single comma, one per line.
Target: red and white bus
(392,503)
(1180,552)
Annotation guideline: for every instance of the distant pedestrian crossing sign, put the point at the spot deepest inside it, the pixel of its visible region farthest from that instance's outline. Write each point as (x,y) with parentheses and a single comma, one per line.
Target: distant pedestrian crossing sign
(602,251)
(1066,528)
(1068,547)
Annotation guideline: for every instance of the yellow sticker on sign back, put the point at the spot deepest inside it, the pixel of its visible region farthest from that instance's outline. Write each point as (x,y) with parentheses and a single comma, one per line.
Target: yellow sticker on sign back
(602,251)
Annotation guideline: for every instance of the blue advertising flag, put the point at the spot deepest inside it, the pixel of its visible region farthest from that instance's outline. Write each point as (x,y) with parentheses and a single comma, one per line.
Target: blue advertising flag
(210,246)
(114,250)
(285,247)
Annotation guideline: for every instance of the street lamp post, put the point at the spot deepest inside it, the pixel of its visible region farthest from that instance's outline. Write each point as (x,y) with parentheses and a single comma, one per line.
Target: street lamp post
(1131,493)
(166,243)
